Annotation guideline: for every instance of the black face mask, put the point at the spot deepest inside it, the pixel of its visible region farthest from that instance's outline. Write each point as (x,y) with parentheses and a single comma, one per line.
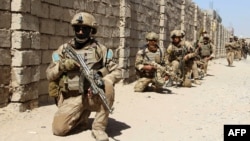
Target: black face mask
(85,31)
(80,45)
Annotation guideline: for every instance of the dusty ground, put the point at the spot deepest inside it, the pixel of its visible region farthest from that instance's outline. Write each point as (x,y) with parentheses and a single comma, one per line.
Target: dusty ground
(188,114)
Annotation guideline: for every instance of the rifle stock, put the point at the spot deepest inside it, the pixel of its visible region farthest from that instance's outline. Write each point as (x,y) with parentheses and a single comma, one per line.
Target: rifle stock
(86,72)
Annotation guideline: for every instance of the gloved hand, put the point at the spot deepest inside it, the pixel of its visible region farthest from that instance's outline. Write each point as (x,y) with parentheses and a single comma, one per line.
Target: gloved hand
(68,64)
(98,80)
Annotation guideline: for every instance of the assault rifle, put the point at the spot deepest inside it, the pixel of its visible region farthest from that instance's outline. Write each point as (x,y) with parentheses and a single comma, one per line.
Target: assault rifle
(87,74)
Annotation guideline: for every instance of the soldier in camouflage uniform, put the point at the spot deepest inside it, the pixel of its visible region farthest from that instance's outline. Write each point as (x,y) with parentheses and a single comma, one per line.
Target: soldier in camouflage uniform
(75,99)
(230,50)
(149,65)
(238,48)
(180,54)
(206,51)
(200,41)
(244,49)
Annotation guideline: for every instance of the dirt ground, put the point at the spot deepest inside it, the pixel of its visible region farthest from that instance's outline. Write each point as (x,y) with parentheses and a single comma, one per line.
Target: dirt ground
(187,114)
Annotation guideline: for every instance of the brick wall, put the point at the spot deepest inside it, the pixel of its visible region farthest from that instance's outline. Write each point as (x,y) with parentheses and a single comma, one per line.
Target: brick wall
(5,54)
(32,29)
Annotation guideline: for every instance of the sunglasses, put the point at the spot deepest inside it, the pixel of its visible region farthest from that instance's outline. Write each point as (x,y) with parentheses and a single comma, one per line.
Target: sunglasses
(83,28)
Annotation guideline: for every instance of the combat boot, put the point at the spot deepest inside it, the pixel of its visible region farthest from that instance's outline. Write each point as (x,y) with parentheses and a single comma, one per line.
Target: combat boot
(197,82)
(169,83)
(155,88)
(100,135)
(187,83)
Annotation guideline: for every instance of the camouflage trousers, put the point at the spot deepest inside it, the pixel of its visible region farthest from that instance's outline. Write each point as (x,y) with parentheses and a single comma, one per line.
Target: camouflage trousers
(75,110)
(189,69)
(237,54)
(142,83)
(230,57)
(205,64)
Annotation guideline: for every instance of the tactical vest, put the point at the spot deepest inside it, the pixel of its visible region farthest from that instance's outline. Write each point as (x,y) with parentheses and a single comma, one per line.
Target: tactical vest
(149,57)
(157,58)
(75,80)
(237,45)
(178,53)
(153,56)
(206,50)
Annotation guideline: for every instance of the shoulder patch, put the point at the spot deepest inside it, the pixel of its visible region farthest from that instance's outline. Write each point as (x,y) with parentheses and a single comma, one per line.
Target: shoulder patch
(109,54)
(55,57)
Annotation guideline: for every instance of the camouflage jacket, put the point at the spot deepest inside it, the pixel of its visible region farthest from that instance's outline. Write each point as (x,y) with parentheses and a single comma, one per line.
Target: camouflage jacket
(177,52)
(145,57)
(97,57)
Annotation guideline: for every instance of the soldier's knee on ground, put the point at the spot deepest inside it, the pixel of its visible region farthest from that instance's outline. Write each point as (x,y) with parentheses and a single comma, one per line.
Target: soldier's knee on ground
(139,86)
(138,89)
(60,129)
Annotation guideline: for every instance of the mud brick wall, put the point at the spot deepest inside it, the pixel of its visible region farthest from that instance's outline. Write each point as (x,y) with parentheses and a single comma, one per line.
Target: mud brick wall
(30,30)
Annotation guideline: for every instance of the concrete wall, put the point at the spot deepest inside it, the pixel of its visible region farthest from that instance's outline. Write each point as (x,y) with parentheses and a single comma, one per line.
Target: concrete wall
(32,29)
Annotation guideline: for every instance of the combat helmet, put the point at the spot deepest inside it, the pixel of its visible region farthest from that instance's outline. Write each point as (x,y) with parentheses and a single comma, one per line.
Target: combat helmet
(236,37)
(152,36)
(183,33)
(206,36)
(86,19)
(176,33)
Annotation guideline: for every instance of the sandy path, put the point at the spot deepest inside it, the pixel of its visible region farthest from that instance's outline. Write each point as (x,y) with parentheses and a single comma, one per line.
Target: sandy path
(189,114)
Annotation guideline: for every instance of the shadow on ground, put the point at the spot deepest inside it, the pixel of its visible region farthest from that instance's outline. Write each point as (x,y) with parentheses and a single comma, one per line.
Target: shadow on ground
(114,127)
